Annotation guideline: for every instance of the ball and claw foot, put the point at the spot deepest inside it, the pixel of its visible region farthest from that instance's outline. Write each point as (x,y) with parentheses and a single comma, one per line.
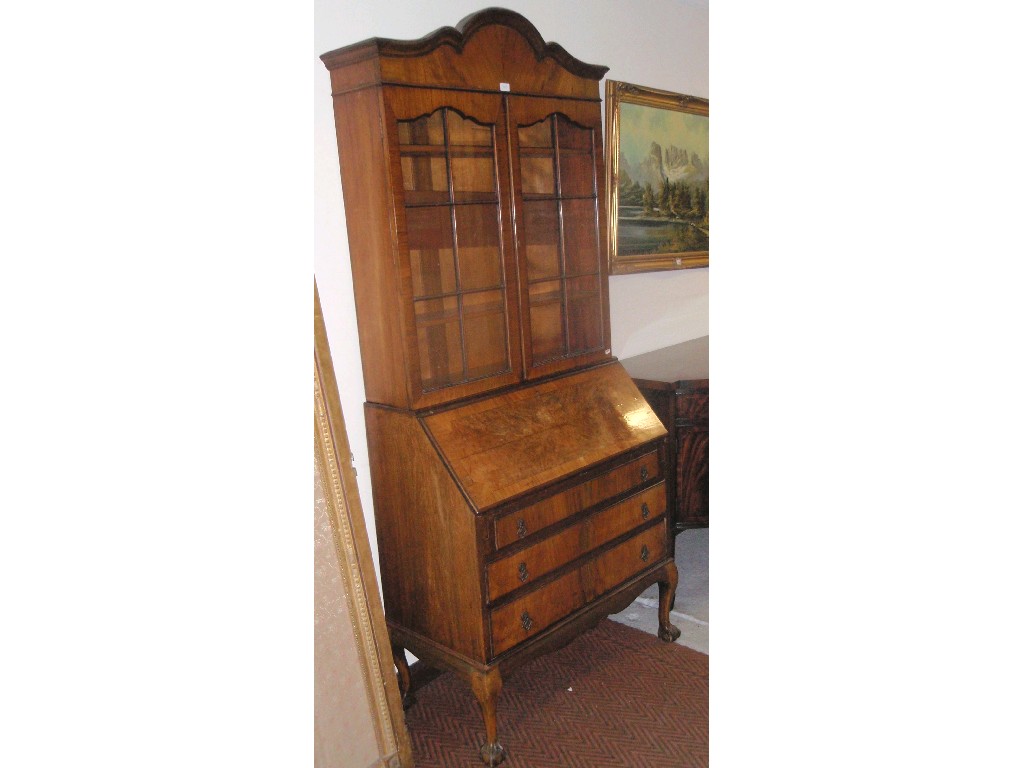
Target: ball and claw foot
(492,754)
(669,632)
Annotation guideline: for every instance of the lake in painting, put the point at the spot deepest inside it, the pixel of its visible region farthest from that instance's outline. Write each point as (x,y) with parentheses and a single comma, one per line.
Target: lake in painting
(638,235)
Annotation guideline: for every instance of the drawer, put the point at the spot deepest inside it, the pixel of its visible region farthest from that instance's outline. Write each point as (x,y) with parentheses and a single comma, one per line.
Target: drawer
(531,614)
(509,528)
(545,556)
(632,556)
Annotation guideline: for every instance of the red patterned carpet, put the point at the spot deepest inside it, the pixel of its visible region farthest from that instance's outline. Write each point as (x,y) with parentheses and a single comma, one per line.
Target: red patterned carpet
(635,702)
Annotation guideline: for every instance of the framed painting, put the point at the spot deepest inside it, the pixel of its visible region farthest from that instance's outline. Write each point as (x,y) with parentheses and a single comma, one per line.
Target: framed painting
(657,179)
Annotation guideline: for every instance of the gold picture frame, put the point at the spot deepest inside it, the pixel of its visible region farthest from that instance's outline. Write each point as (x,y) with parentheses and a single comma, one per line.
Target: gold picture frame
(344,572)
(656,179)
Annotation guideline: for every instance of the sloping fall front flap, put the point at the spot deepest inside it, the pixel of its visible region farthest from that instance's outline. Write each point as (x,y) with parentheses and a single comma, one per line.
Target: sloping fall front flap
(513,442)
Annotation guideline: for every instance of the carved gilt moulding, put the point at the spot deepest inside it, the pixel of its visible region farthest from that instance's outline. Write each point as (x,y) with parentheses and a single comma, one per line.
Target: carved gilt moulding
(351,541)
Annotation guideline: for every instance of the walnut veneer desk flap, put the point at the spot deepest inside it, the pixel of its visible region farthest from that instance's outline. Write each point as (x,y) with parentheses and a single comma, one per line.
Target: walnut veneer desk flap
(675,382)
(527,438)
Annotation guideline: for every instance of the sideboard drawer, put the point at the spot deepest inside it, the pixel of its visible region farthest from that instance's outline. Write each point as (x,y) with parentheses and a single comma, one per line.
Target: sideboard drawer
(509,528)
(527,565)
(531,614)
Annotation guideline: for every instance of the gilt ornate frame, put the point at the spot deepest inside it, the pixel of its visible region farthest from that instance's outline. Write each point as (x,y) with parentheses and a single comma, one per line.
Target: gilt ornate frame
(332,457)
(620,263)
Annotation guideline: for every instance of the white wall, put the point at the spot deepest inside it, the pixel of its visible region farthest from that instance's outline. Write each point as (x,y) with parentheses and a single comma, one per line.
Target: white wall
(657,43)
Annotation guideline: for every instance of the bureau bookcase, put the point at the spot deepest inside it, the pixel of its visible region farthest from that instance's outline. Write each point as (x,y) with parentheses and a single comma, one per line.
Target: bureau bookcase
(518,474)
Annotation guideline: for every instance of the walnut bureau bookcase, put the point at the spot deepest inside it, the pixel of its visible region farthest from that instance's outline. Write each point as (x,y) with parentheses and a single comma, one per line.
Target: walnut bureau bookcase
(518,474)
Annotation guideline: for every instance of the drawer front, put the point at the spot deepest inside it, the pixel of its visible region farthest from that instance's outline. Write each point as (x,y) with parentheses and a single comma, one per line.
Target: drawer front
(531,614)
(545,556)
(517,525)
(632,556)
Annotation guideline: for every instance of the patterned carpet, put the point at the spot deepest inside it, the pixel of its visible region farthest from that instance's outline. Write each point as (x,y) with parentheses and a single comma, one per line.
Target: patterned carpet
(613,698)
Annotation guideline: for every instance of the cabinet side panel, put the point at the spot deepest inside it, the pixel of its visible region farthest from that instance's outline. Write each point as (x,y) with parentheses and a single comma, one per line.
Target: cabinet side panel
(691,439)
(426,536)
(372,244)
(692,487)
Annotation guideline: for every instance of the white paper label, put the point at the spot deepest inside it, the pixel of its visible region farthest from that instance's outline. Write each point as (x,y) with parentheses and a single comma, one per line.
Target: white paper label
(504,87)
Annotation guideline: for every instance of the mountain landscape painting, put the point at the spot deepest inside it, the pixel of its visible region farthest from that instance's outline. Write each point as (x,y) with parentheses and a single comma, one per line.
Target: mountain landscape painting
(662,182)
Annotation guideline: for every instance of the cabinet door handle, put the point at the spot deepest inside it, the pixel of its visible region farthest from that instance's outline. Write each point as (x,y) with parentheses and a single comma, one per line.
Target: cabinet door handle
(526,621)
(644,553)
(645,511)
(523,574)
(644,474)
(520,527)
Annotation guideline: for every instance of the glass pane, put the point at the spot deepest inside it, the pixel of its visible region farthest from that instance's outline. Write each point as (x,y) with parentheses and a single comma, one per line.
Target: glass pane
(440,343)
(536,135)
(468,133)
(572,136)
(579,219)
(538,172)
(425,179)
(539,238)
(483,317)
(479,241)
(431,254)
(575,159)
(424,130)
(473,176)
(583,302)
(547,336)
(576,173)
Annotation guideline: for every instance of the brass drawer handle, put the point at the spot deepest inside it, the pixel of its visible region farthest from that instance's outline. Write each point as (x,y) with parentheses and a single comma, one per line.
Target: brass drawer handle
(521,527)
(645,511)
(526,621)
(644,553)
(644,474)
(523,575)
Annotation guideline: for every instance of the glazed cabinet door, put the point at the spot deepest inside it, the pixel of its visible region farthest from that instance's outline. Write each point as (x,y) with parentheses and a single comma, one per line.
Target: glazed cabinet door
(453,217)
(558,179)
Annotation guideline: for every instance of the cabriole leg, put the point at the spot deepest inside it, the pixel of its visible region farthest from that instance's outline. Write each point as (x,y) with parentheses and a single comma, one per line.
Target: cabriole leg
(666,597)
(486,687)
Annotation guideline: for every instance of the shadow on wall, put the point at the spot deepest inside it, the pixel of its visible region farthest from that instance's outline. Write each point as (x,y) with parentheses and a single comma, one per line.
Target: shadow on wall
(673,309)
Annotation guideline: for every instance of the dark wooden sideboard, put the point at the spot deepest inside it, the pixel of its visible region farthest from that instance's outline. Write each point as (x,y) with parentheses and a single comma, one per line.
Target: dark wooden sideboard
(674,381)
